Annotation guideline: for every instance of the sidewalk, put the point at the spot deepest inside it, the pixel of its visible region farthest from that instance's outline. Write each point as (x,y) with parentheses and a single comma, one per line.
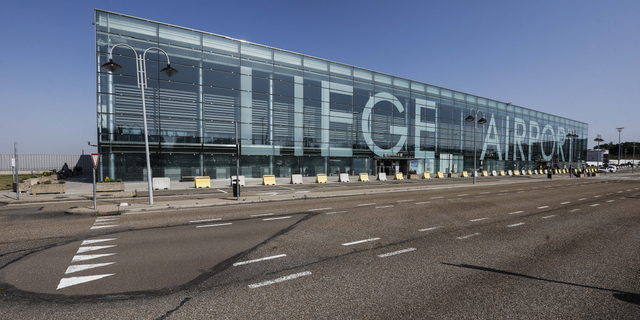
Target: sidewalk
(80,188)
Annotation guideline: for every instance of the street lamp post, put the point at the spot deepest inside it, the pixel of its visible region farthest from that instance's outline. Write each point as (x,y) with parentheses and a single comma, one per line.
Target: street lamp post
(572,135)
(619,144)
(598,139)
(141,68)
(633,163)
(473,116)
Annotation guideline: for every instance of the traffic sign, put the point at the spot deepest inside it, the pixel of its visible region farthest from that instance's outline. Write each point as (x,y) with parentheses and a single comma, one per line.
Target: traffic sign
(95,157)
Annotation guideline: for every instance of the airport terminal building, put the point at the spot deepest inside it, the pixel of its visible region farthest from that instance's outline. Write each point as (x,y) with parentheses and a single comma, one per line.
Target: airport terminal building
(296,114)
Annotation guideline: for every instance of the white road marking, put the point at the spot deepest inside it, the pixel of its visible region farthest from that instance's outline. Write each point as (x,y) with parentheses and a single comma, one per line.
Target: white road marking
(437,197)
(567,202)
(462,195)
(543,207)
(94,248)
(366,204)
(396,252)
(205,220)
(574,210)
(428,229)
(360,241)
(423,202)
(382,207)
(106,219)
(515,225)
(596,196)
(82,267)
(278,218)
(611,201)
(485,192)
(268,194)
(67,282)
(101,227)
(318,209)
(100,223)
(302,191)
(86,242)
(258,260)
(595,205)
(85,257)
(454,199)
(474,220)
(289,277)
(214,225)
(222,191)
(582,199)
(504,190)
(520,192)
(404,200)
(261,215)
(468,236)
(335,212)
(516,212)
(547,217)
(619,191)
(288,188)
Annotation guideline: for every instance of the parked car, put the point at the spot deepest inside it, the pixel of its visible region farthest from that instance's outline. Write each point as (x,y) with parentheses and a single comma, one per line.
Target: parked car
(608,168)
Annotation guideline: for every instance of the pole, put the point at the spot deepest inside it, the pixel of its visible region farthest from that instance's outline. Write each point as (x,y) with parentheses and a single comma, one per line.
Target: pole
(15,151)
(141,82)
(633,163)
(619,144)
(237,185)
(95,205)
(475,159)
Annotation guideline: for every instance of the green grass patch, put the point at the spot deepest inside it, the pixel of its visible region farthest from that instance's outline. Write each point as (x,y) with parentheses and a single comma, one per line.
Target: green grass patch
(7,179)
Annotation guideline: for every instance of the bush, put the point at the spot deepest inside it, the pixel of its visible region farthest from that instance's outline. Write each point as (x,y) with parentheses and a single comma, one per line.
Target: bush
(107,179)
(412,172)
(34,176)
(118,180)
(45,174)
(47,182)
(61,182)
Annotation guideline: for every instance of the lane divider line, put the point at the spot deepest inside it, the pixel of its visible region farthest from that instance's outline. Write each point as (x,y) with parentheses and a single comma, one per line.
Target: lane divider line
(480,219)
(278,218)
(258,260)
(547,217)
(428,229)
(205,220)
(515,225)
(595,205)
(382,207)
(366,204)
(261,215)
(424,202)
(360,241)
(318,209)
(516,212)
(468,236)
(281,279)
(396,252)
(214,225)
(543,207)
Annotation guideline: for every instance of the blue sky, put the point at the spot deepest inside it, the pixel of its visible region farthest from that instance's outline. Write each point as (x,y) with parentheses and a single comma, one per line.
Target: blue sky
(575,59)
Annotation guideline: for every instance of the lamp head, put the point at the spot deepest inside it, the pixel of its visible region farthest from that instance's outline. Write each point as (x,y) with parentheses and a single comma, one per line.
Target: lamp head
(482,121)
(111,66)
(168,71)
(469,118)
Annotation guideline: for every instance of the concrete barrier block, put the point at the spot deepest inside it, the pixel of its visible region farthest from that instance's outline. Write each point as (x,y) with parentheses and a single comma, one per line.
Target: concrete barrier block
(426,175)
(516,172)
(269,180)
(363,177)
(382,176)
(484,173)
(344,177)
(202,182)
(465,174)
(494,173)
(296,179)
(398,176)
(321,178)
(440,175)
(501,173)
(161,183)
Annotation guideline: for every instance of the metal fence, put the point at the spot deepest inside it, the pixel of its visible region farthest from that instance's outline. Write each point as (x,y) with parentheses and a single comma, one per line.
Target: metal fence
(45,162)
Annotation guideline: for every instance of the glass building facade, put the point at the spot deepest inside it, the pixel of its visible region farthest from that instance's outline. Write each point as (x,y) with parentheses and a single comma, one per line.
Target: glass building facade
(296,114)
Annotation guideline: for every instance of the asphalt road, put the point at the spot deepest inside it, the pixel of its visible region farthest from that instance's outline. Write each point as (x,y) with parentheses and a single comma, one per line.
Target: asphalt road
(544,249)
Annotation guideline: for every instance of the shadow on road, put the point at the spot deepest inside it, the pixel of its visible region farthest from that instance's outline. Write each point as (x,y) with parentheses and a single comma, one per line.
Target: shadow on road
(620,295)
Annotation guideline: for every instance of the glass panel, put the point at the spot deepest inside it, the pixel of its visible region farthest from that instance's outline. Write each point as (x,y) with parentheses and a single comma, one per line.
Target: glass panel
(381,79)
(221,45)
(418,87)
(286,58)
(340,70)
(181,37)
(400,83)
(251,51)
(316,64)
(363,75)
(129,27)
